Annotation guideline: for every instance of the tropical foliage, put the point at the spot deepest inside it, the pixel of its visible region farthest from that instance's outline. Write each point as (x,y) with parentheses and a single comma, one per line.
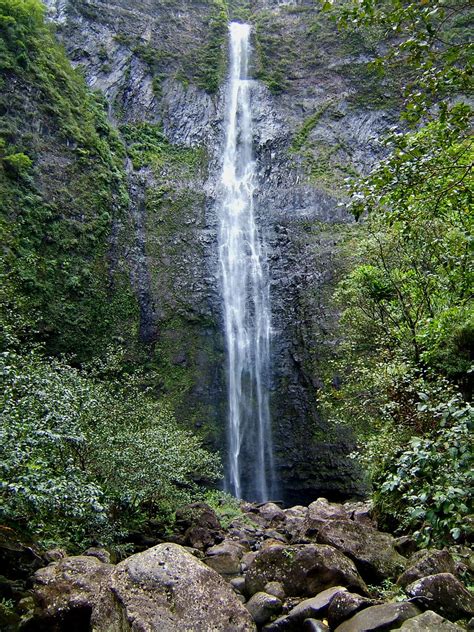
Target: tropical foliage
(88,452)
(83,460)
(406,299)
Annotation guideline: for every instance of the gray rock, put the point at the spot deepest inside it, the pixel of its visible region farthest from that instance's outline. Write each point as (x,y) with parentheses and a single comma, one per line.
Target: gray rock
(315,607)
(247,560)
(101,554)
(272,513)
(303,570)
(444,594)
(361,512)
(346,605)
(225,557)
(294,519)
(406,545)
(165,589)
(429,622)
(385,617)
(319,512)
(263,606)
(199,526)
(69,589)
(238,584)
(276,589)
(282,624)
(54,555)
(426,563)
(373,552)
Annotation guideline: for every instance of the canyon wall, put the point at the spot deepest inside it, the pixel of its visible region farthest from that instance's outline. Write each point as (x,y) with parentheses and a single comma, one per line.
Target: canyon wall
(318,111)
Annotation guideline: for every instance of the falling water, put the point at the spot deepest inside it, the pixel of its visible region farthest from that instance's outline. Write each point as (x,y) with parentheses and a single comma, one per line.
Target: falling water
(245,291)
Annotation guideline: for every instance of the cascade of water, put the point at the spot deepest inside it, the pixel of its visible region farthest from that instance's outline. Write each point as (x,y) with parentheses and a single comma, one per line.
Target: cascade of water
(246,296)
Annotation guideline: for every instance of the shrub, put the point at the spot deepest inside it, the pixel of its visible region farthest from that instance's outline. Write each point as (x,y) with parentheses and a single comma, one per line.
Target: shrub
(426,487)
(18,163)
(83,460)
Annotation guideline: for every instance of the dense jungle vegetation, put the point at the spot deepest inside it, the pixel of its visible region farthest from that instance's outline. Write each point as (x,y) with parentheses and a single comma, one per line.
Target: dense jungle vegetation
(406,298)
(88,453)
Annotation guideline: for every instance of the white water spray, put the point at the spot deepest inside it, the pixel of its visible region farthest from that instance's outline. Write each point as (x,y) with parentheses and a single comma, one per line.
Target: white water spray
(245,291)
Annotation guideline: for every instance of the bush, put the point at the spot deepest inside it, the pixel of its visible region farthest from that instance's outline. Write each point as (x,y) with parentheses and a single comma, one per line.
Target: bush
(426,488)
(19,163)
(83,460)
(44,488)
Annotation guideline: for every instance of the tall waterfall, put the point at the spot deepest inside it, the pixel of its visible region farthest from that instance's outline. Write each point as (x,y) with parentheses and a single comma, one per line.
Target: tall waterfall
(245,286)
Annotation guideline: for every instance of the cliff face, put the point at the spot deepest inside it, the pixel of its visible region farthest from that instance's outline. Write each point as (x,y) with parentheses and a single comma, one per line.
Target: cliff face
(317,111)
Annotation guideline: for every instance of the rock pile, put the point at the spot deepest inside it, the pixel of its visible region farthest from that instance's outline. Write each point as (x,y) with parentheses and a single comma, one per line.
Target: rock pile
(276,570)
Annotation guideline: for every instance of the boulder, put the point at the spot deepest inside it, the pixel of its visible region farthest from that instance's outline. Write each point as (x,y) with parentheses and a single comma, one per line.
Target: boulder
(373,552)
(286,624)
(361,511)
(263,606)
(303,570)
(54,555)
(268,544)
(294,520)
(101,554)
(238,584)
(198,525)
(319,512)
(273,534)
(282,624)
(315,607)
(247,560)
(426,563)
(385,617)
(429,622)
(276,589)
(314,625)
(67,591)
(346,605)
(406,545)
(272,513)
(165,589)
(225,557)
(444,594)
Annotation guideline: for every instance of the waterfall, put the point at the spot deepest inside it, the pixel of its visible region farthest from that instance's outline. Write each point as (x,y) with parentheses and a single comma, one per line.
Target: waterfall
(245,288)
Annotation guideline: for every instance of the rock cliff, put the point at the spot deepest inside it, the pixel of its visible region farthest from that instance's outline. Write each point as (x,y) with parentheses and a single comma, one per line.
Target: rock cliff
(317,114)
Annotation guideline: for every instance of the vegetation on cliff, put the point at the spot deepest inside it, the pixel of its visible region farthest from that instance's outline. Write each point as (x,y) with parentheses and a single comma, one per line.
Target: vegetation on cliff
(87,450)
(406,300)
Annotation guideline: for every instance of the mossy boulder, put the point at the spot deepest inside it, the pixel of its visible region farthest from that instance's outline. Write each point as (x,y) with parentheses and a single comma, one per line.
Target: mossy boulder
(303,570)
(373,552)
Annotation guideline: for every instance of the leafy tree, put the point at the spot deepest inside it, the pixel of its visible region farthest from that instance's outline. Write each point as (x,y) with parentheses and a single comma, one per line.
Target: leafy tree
(83,460)
(406,301)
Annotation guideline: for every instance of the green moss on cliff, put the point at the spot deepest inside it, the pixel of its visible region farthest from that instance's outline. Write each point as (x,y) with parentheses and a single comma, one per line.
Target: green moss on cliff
(206,67)
(147,146)
(275,51)
(60,202)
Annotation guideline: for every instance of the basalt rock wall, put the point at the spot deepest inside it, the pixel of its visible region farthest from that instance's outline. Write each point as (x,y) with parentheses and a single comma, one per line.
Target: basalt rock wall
(317,114)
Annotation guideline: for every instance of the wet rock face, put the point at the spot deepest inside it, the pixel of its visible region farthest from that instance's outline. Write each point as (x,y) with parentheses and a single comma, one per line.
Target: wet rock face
(308,136)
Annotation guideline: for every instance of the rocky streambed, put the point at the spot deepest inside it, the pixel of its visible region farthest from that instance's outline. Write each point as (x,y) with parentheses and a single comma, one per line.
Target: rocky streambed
(320,568)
